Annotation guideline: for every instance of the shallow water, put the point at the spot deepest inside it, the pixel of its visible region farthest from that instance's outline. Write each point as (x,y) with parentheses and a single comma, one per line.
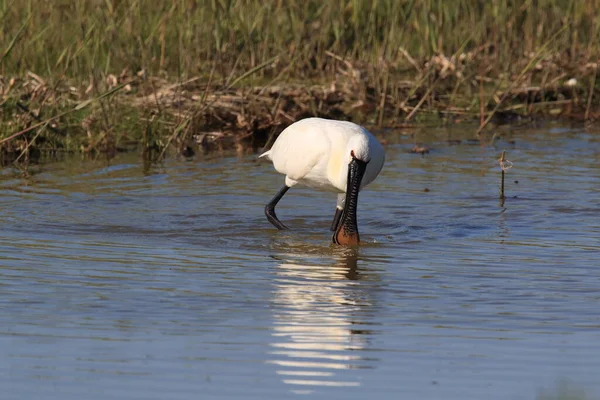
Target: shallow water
(122,282)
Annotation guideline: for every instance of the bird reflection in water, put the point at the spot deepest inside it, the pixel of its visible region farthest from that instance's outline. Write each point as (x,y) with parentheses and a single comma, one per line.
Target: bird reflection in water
(319,330)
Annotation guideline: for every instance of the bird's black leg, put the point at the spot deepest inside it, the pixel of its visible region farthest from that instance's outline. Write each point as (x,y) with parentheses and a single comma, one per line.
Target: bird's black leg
(270,209)
(336,219)
(341,200)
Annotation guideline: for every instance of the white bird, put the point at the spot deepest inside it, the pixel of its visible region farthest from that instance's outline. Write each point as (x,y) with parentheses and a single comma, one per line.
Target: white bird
(337,156)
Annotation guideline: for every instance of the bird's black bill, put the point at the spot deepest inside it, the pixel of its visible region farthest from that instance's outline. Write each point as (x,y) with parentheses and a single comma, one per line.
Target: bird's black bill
(270,209)
(347,229)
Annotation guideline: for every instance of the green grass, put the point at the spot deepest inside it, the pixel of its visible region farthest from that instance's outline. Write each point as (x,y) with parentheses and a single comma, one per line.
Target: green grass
(180,38)
(188,37)
(378,45)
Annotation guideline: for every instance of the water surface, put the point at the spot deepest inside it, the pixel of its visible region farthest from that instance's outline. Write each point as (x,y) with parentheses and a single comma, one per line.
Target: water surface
(119,281)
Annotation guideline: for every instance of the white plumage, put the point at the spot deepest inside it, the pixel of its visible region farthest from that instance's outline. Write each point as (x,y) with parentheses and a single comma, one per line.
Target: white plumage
(317,152)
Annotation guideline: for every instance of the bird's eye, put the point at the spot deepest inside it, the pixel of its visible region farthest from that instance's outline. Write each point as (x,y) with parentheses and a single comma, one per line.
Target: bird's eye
(352,154)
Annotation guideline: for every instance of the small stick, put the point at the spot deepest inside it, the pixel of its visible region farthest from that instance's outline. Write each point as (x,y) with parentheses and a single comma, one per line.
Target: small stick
(502,159)
(504,165)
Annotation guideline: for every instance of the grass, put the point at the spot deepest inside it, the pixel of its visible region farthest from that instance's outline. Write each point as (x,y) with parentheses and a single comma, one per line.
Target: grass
(148,73)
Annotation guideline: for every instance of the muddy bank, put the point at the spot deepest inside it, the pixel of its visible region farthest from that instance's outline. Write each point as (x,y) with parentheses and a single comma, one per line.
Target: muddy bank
(156,117)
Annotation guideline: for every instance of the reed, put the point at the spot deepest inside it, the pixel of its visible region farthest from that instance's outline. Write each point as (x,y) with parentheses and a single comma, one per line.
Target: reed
(396,60)
(502,162)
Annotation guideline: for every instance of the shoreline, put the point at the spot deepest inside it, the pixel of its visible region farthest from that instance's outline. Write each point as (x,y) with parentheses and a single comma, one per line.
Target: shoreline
(159,117)
(189,117)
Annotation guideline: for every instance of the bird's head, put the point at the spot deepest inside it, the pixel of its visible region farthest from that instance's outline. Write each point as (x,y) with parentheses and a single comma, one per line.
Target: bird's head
(358,149)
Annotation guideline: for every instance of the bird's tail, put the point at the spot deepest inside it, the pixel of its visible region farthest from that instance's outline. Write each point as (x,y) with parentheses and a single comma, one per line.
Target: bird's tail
(266,154)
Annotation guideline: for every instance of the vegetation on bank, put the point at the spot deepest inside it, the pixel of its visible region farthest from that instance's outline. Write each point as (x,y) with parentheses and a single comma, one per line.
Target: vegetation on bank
(110,75)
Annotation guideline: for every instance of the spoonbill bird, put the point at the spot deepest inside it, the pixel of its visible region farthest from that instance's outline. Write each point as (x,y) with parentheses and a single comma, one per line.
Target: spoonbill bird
(336,156)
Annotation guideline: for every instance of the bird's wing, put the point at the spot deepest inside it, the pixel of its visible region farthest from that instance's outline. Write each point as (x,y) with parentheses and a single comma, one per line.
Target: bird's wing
(295,154)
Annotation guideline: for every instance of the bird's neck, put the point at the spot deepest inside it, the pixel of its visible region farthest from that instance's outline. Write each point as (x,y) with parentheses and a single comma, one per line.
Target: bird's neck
(337,169)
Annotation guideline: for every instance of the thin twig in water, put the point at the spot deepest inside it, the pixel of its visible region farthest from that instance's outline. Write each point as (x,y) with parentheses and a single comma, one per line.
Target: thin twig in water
(502,160)
(505,165)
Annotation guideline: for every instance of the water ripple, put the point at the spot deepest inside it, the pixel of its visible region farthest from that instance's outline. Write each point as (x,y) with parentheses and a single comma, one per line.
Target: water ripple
(128,282)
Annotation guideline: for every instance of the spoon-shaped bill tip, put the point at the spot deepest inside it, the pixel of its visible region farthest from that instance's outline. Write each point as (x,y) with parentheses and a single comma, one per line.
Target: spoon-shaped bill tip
(346,237)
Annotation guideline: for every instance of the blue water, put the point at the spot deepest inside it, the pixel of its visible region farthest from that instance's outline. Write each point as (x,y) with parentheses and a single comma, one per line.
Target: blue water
(119,282)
